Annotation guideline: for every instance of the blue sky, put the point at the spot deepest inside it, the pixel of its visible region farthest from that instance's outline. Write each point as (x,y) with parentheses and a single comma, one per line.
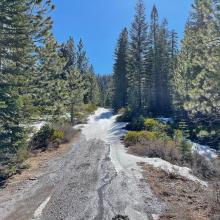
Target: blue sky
(99,22)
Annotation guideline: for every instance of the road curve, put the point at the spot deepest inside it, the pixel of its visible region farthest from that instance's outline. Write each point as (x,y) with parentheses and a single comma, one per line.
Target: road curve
(95,180)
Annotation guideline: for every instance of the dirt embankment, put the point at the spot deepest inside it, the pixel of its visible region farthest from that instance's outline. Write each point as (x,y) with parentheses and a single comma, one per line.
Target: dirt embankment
(185,199)
(37,162)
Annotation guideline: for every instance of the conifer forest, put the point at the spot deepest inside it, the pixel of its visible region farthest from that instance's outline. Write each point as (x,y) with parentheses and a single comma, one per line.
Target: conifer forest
(61,120)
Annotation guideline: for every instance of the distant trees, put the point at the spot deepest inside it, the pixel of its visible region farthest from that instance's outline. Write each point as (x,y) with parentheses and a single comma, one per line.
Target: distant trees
(105,87)
(146,64)
(120,74)
(162,81)
(80,78)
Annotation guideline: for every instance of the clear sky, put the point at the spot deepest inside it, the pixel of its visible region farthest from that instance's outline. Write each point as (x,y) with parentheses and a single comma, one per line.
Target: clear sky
(99,22)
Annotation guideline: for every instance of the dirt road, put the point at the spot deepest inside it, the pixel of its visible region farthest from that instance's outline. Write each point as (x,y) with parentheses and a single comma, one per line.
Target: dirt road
(95,180)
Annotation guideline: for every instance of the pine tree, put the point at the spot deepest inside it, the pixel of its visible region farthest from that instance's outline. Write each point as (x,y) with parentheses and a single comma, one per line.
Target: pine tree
(92,93)
(164,84)
(121,72)
(69,52)
(82,60)
(154,54)
(105,87)
(51,82)
(137,76)
(173,52)
(13,63)
(159,66)
(22,25)
(75,90)
(198,70)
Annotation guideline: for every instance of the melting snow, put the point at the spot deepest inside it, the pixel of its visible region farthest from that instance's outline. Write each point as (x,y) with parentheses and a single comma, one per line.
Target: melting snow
(204,150)
(102,125)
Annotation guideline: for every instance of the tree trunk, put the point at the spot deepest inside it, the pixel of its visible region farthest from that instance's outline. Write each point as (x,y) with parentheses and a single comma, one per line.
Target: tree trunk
(72,114)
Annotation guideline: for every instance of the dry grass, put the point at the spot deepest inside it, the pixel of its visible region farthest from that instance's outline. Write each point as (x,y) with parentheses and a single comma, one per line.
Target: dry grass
(157,148)
(186,200)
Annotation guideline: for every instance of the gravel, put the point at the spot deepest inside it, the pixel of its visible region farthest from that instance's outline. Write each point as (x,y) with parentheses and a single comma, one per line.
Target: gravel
(86,183)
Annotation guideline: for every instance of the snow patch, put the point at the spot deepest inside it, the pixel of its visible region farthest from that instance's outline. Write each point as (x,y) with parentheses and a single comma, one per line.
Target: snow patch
(204,150)
(165,120)
(103,126)
(170,168)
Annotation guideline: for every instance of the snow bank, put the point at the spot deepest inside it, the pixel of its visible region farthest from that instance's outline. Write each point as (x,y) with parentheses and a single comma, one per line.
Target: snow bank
(170,168)
(165,120)
(102,125)
(204,150)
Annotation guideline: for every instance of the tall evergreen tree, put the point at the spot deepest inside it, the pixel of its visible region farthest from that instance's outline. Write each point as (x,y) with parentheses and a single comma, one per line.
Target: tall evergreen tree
(92,92)
(163,86)
(69,52)
(198,70)
(51,82)
(21,25)
(82,60)
(75,91)
(160,66)
(121,72)
(137,76)
(105,88)
(154,54)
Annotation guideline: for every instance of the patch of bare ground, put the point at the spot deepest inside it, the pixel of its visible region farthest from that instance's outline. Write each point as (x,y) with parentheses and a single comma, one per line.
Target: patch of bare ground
(185,199)
(38,160)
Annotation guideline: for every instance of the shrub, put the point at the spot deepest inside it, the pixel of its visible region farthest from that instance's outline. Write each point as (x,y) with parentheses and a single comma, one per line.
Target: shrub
(90,108)
(58,134)
(185,147)
(42,138)
(137,137)
(68,132)
(158,148)
(125,116)
(136,124)
(205,168)
(22,154)
(121,111)
(155,125)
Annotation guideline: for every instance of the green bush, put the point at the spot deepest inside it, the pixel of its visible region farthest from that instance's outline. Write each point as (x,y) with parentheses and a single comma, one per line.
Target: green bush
(136,124)
(164,149)
(135,137)
(90,108)
(151,124)
(68,132)
(58,134)
(42,138)
(22,154)
(184,146)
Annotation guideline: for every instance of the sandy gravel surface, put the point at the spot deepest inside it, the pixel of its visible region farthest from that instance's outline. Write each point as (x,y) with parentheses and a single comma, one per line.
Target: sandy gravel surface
(95,180)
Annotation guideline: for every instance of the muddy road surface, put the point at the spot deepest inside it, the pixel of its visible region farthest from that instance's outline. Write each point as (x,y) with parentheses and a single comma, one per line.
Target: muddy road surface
(95,180)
